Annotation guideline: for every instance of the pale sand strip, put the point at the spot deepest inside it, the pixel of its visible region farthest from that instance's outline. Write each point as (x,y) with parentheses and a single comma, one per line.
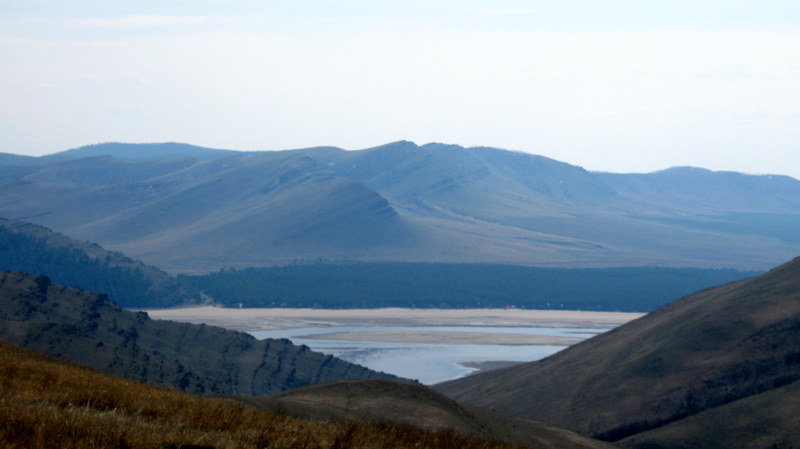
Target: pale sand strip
(490,365)
(472,338)
(265,319)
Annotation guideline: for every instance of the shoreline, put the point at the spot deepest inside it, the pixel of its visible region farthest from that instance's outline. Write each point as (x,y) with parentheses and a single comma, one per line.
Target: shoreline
(392,320)
(448,338)
(482,367)
(249,320)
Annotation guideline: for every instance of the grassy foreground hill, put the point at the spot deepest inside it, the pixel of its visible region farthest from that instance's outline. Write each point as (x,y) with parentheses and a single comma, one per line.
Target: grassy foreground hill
(87,328)
(380,400)
(35,249)
(46,403)
(695,354)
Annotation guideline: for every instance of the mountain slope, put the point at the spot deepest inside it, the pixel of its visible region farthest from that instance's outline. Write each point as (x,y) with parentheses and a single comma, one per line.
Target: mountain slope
(260,208)
(764,421)
(89,329)
(694,354)
(532,209)
(35,249)
(708,191)
(419,406)
(232,211)
(191,209)
(437,173)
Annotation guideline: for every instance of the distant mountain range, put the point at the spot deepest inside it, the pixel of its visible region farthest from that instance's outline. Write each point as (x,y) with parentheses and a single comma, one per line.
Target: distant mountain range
(87,328)
(193,209)
(719,368)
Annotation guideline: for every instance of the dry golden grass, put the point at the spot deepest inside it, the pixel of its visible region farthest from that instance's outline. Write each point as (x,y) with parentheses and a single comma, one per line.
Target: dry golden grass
(47,403)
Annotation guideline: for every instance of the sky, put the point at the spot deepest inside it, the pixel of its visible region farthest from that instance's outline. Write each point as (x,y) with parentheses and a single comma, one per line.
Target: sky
(612,85)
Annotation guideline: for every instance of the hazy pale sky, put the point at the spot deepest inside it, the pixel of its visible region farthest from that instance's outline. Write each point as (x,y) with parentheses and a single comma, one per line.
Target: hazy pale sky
(616,85)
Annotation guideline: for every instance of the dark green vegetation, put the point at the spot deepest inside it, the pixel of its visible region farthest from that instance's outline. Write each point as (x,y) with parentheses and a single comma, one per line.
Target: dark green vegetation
(737,342)
(89,329)
(418,406)
(47,403)
(129,283)
(191,209)
(367,285)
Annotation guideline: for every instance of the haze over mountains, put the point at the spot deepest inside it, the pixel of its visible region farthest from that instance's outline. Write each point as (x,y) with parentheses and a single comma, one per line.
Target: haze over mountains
(721,365)
(192,209)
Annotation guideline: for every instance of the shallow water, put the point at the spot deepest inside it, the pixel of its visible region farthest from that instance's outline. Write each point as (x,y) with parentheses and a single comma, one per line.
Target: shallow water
(427,362)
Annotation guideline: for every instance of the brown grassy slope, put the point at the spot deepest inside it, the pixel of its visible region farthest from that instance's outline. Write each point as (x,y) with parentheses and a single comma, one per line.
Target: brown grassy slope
(47,403)
(89,329)
(417,405)
(694,354)
(770,420)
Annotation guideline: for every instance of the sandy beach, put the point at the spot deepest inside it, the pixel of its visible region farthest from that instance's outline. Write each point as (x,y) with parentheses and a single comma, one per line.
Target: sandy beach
(266,319)
(457,338)
(487,366)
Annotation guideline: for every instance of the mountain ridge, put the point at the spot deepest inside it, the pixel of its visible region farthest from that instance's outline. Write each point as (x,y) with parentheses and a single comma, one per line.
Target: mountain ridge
(161,150)
(402,202)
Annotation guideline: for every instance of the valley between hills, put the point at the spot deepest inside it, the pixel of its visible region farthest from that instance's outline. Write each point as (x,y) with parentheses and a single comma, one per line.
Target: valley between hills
(105,249)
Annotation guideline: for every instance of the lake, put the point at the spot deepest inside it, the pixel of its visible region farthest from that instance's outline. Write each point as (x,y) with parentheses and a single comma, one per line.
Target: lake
(430,361)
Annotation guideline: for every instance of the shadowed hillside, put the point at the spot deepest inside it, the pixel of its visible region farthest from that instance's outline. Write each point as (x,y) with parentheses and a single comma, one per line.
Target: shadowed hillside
(695,354)
(46,403)
(34,249)
(419,406)
(768,420)
(89,329)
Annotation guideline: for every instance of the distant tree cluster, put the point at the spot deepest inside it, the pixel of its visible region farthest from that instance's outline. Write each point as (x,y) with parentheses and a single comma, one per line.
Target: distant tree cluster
(429,285)
(128,286)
